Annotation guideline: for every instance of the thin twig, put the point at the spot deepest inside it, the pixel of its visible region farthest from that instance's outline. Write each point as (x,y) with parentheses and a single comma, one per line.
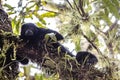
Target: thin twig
(81,7)
(77,8)
(111,27)
(69,4)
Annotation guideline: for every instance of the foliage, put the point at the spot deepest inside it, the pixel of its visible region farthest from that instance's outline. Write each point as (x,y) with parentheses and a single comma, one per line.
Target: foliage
(8,68)
(32,9)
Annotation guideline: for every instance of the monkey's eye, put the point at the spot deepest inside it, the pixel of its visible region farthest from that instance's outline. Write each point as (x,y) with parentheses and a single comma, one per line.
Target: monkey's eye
(29,32)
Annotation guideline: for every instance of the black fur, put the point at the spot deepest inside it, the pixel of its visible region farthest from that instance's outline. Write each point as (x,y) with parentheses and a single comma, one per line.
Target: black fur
(33,37)
(86,58)
(22,60)
(62,48)
(32,33)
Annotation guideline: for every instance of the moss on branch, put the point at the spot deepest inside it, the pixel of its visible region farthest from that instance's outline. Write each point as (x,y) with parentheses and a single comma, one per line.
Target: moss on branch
(47,57)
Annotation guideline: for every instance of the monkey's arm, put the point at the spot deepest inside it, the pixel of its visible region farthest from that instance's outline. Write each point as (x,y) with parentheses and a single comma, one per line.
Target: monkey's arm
(57,35)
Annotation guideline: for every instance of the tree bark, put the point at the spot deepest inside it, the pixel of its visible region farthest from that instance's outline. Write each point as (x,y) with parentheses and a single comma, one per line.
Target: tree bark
(5,24)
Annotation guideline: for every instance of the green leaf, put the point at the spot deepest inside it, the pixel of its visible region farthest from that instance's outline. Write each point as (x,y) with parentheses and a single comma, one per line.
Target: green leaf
(48,14)
(111,7)
(76,40)
(46,38)
(16,25)
(40,18)
(77,46)
(30,7)
(40,25)
(11,12)
(39,77)
(30,15)
(36,8)
(43,2)
(51,37)
(8,6)
(105,17)
(115,2)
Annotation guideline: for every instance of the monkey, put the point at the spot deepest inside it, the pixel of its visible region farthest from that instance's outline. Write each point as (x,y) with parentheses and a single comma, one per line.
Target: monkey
(86,58)
(31,32)
(33,37)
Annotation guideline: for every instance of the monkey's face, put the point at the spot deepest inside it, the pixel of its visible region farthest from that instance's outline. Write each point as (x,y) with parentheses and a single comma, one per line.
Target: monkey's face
(28,30)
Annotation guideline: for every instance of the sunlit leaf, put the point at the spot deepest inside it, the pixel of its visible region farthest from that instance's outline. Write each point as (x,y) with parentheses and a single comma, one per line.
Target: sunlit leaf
(8,6)
(48,14)
(46,38)
(43,2)
(18,26)
(41,19)
(11,13)
(21,74)
(36,8)
(39,77)
(40,25)
(105,17)
(116,3)
(50,37)
(30,7)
